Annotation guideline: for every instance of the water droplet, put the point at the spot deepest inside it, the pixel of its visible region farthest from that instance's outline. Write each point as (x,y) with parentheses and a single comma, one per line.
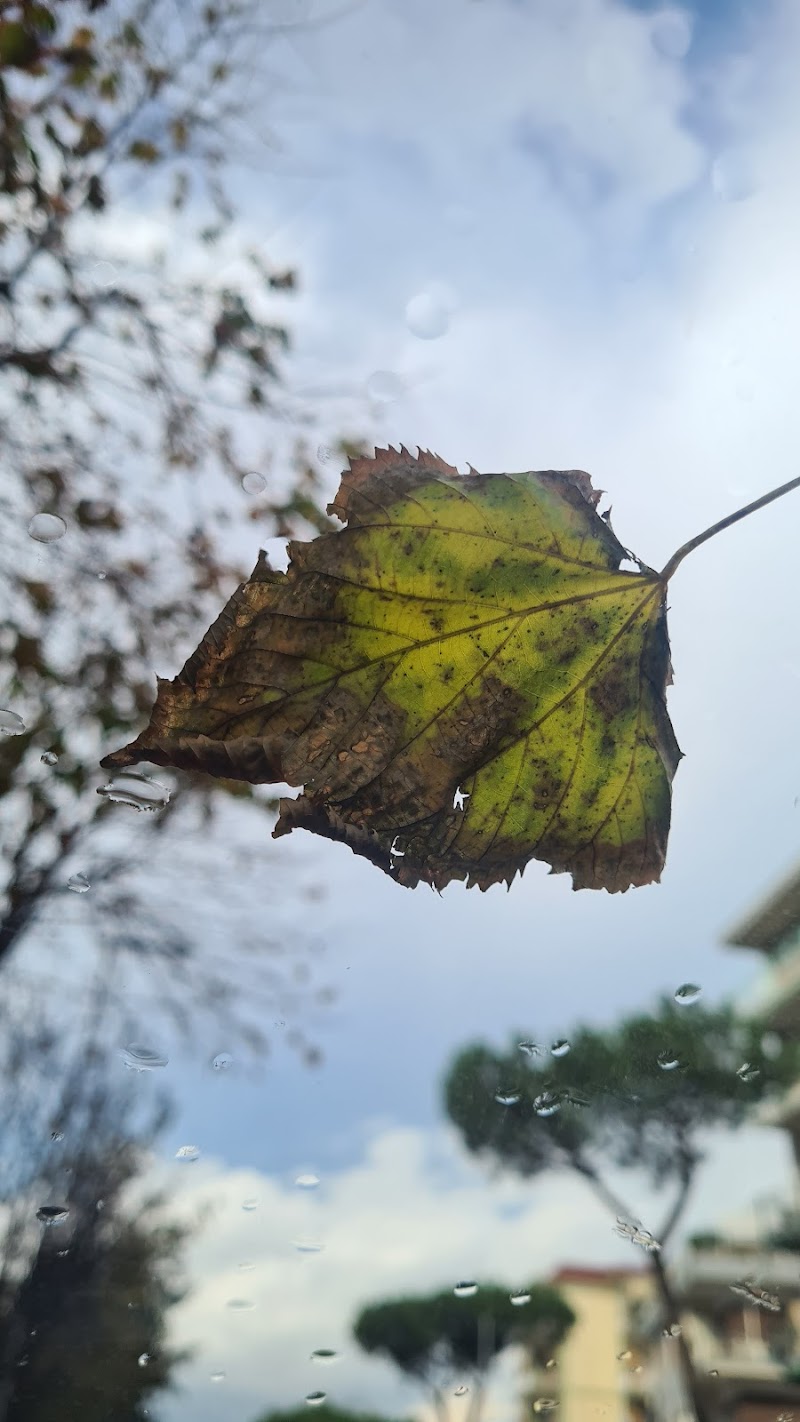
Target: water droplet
(104,273)
(674,1331)
(632,1230)
(222,1061)
(254,483)
(506,1098)
(713,1372)
(519,1297)
(546,1104)
(187,1152)
(551,1363)
(466,1289)
(732,176)
(530,1049)
(247,1266)
(307,1181)
(101,575)
(324,1355)
(560,1048)
(78,883)
(747,1072)
(141,792)
(240,1305)
(47,528)
(138,1057)
(545,1404)
(625,1356)
(56,1135)
(687,993)
(671,33)
(461,1390)
(324,453)
(668,1061)
(143,1360)
(428,314)
(307,1245)
(384,385)
(11,724)
(315,1399)
(250,1204)
(217,1377)
(751,1291)
(52,1214)
(48,757)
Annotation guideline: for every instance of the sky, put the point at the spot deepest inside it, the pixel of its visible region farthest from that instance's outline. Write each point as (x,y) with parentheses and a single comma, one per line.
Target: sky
(530,234)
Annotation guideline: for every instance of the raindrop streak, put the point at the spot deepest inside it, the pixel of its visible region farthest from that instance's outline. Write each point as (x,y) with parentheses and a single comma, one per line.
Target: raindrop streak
(671,34)
(139,791)
(530,1049)
(687,993)
(519,1298)
(48,757)
(78,883)
(384,385)
(315,1399)
(47,528)
(11,724)
(240,1305)
(546,1104)
(308,1181)
(668,1061)
(138,1057)
(254,483)
(324,1355)
(428,315)
(187,1152)
(560,1048)
(507,1098)
(52,1214)
(465,1290)
(222,1061)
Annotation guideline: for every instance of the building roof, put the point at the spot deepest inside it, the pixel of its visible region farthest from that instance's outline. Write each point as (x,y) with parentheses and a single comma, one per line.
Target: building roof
(585,1274)
(773,919)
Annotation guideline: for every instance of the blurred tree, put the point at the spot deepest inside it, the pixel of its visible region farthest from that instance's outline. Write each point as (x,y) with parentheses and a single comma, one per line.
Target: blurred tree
(441,1338)
(144,426)
(643,1094)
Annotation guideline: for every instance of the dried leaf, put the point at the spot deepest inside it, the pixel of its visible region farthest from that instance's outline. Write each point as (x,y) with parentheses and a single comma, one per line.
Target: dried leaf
(462,679)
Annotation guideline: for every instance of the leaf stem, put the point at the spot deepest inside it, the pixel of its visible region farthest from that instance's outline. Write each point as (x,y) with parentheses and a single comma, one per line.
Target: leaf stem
(669,568)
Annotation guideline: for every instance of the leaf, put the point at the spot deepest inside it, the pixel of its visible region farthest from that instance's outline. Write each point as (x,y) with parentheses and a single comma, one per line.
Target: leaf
(462,633)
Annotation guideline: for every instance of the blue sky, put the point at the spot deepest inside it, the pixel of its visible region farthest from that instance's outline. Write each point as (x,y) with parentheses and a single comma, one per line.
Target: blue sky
(603,215)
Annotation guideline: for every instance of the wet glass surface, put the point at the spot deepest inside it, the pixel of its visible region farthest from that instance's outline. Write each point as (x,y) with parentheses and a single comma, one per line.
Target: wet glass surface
(254,1091)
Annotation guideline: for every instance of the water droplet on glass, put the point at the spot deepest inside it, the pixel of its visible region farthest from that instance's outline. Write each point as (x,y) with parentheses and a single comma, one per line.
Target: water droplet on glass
(625,1356)
(560,1048)
(222,1061)
(713,1372)
(545,1405)
(47,528)
(138,1057)
(143,1360)
(461,1390)
(11,724)
(324,1355)
(52,1214)
(315,1399)
(632,1230)
(324,453)
(466,1289)
(247,1266)
(732,176)
(101,575)
(687,993)
(747,1072)
(250,1204)
(131,787)
(187,1152)
(104,273)
(530,1049)
(751,1291)
(506,1098)
(307,1181)
(671,34)
(668,1061)
(240,1305)
(428,314)
(384,385)
(254,483)
(307,1245)
(78,883)
(519,1297)
(546,1104)
(48,757)
(217,1377)
(674,1331)
(56,1135)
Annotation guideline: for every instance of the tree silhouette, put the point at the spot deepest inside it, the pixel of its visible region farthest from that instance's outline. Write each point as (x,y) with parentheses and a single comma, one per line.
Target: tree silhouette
(443,1337)
(640,1095)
